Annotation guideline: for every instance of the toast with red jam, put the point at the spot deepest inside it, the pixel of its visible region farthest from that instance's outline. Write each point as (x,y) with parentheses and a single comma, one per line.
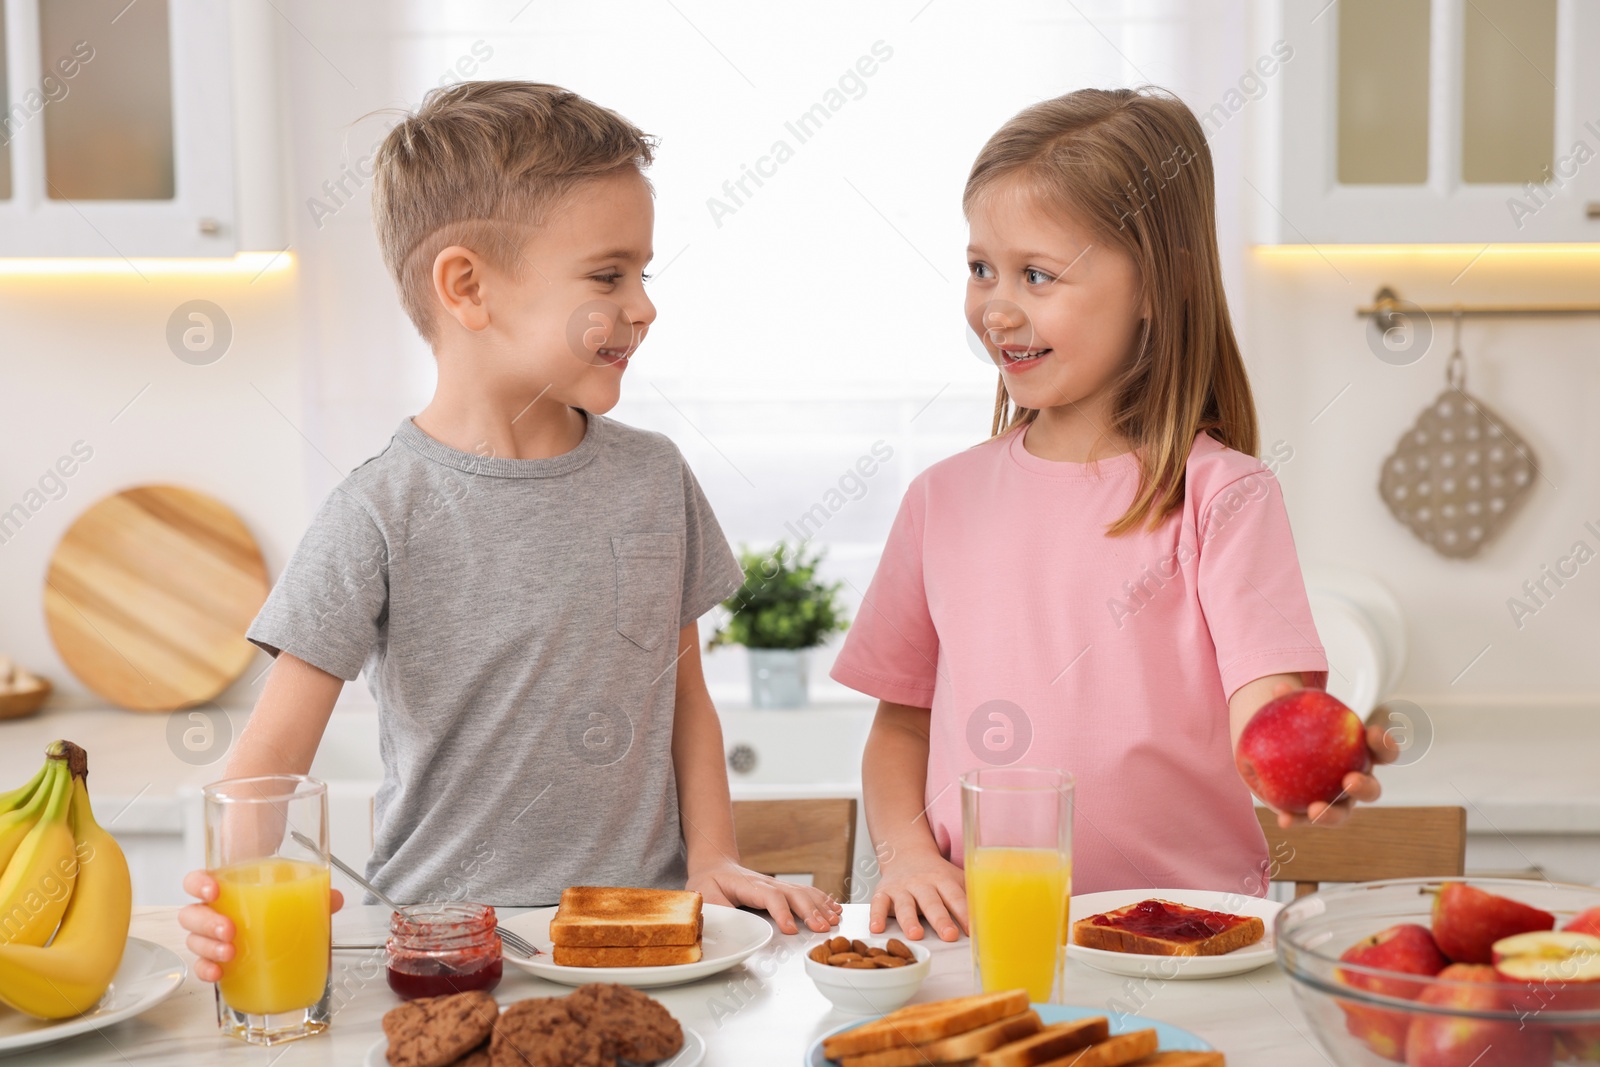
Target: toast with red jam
(1162,928)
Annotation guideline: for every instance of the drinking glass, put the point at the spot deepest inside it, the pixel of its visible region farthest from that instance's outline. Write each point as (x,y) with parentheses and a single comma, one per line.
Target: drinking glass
(278,986)
(1016,825)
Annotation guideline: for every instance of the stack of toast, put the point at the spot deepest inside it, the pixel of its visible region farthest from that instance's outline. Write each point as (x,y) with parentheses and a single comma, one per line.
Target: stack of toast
(998,1030)
(611,926)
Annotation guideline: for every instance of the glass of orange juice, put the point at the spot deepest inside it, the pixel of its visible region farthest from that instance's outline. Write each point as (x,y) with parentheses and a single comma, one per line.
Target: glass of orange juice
(1016,828)
(277,986)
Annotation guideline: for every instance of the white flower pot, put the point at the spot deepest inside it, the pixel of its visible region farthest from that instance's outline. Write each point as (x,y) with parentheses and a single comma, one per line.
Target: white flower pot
(777,677)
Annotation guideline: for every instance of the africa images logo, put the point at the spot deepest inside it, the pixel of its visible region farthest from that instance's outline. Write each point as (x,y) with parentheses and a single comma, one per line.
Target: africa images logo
(999,732)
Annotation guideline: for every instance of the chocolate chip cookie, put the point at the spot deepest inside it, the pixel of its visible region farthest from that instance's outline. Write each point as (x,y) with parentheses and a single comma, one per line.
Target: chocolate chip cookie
(539,1032)
(437,1031)
(629,1024)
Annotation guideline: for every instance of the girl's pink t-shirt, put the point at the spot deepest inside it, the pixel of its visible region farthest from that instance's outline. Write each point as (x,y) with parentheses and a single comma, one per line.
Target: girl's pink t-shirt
(1001,604)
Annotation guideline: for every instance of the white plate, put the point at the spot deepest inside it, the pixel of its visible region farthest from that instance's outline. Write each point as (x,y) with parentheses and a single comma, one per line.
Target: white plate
(730,936)
(1136,965)
(148,975)
(690,1055)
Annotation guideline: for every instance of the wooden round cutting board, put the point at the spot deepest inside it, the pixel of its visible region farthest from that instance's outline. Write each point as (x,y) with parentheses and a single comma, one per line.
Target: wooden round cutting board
(149,594)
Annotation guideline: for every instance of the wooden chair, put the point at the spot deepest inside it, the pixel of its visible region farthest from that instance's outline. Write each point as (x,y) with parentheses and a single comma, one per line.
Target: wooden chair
(1373,843)
(815,837)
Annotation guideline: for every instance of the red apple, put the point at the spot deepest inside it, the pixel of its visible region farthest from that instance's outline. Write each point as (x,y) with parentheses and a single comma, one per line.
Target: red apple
(1467,921)
(1461,1041)
(1556,970)
(1298,747)
(1404,949)
(1585,922)
(1581,1043)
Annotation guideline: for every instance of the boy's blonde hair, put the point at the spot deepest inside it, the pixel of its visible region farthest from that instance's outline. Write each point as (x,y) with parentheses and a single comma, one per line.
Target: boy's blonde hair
(1133,165)
(477,164)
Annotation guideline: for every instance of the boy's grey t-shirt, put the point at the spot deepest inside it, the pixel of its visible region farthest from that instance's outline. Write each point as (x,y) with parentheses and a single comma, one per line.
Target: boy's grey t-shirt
(517,621)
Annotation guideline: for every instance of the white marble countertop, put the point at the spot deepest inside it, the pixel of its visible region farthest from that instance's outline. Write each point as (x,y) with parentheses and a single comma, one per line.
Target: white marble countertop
(765,1011)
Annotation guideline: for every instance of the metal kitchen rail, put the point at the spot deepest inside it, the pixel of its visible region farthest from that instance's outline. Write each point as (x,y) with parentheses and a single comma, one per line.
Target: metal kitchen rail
(1388,310)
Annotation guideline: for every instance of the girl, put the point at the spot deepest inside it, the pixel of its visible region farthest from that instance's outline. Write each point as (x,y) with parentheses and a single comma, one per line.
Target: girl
(1108,584)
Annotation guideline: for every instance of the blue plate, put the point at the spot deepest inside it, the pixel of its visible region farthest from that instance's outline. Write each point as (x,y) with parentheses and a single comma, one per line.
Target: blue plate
(1172,1038)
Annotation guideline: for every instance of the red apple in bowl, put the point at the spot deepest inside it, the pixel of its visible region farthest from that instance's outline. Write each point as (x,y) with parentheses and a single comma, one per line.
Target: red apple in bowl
(1585,922)
(1581,1043)
(1460,1041)
(1557,970)
(1405,949)
(1467,921)
(1297,748)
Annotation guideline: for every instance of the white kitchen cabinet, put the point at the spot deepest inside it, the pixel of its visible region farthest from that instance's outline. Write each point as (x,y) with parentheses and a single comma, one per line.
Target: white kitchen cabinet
(1434,121)
(125,128)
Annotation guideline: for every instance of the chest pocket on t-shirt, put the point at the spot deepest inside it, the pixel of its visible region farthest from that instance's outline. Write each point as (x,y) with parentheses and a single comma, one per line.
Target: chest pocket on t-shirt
(648,593)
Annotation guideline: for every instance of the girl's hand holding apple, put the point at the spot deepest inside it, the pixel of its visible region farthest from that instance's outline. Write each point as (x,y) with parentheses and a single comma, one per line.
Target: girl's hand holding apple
(1308,757)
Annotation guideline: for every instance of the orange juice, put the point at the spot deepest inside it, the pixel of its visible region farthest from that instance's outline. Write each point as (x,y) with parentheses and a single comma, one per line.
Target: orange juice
(1018,903)
(283,930)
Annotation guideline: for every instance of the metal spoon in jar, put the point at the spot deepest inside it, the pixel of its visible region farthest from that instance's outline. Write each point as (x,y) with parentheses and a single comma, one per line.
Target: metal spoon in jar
(515,942)
(349,871)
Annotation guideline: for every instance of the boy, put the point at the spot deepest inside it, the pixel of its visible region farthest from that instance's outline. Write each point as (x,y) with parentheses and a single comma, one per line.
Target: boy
(518,575)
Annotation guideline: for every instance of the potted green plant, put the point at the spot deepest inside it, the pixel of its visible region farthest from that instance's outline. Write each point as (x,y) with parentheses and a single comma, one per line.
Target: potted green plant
(780,612)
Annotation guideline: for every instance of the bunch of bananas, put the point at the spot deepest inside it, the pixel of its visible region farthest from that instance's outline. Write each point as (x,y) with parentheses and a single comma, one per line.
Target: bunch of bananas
(65,896)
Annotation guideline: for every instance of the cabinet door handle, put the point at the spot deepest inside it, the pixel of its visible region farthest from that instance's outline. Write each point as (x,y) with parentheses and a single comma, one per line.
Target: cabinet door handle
(1592,209)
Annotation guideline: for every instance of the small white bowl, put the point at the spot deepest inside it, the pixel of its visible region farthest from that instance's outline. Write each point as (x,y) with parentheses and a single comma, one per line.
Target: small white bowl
(875,992)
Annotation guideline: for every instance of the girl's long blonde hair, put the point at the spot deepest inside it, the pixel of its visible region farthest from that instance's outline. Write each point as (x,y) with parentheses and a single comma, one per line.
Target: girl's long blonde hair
(1133,165)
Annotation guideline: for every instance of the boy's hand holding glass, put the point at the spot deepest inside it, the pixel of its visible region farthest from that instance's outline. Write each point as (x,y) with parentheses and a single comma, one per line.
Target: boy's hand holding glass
(210,932)
(266,851)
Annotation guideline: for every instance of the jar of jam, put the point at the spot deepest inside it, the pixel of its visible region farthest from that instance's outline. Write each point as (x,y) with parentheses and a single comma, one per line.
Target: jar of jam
(435,949)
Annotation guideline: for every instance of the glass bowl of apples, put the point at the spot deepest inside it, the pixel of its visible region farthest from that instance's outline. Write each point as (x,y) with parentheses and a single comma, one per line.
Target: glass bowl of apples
(1482,972)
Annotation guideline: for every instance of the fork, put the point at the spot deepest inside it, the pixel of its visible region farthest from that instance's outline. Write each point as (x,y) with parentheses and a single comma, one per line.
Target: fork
(517,943)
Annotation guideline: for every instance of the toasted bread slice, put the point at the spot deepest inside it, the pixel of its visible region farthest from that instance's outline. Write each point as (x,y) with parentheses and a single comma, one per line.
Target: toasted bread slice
(620,917)
(949,1050)
(920,1024)
(1182,1059)
(1054,1040)
(1162,928)
(643,956)
(1131,1047)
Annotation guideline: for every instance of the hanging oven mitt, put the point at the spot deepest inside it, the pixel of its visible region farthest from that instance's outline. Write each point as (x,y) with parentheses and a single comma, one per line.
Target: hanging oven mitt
(1459,473)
